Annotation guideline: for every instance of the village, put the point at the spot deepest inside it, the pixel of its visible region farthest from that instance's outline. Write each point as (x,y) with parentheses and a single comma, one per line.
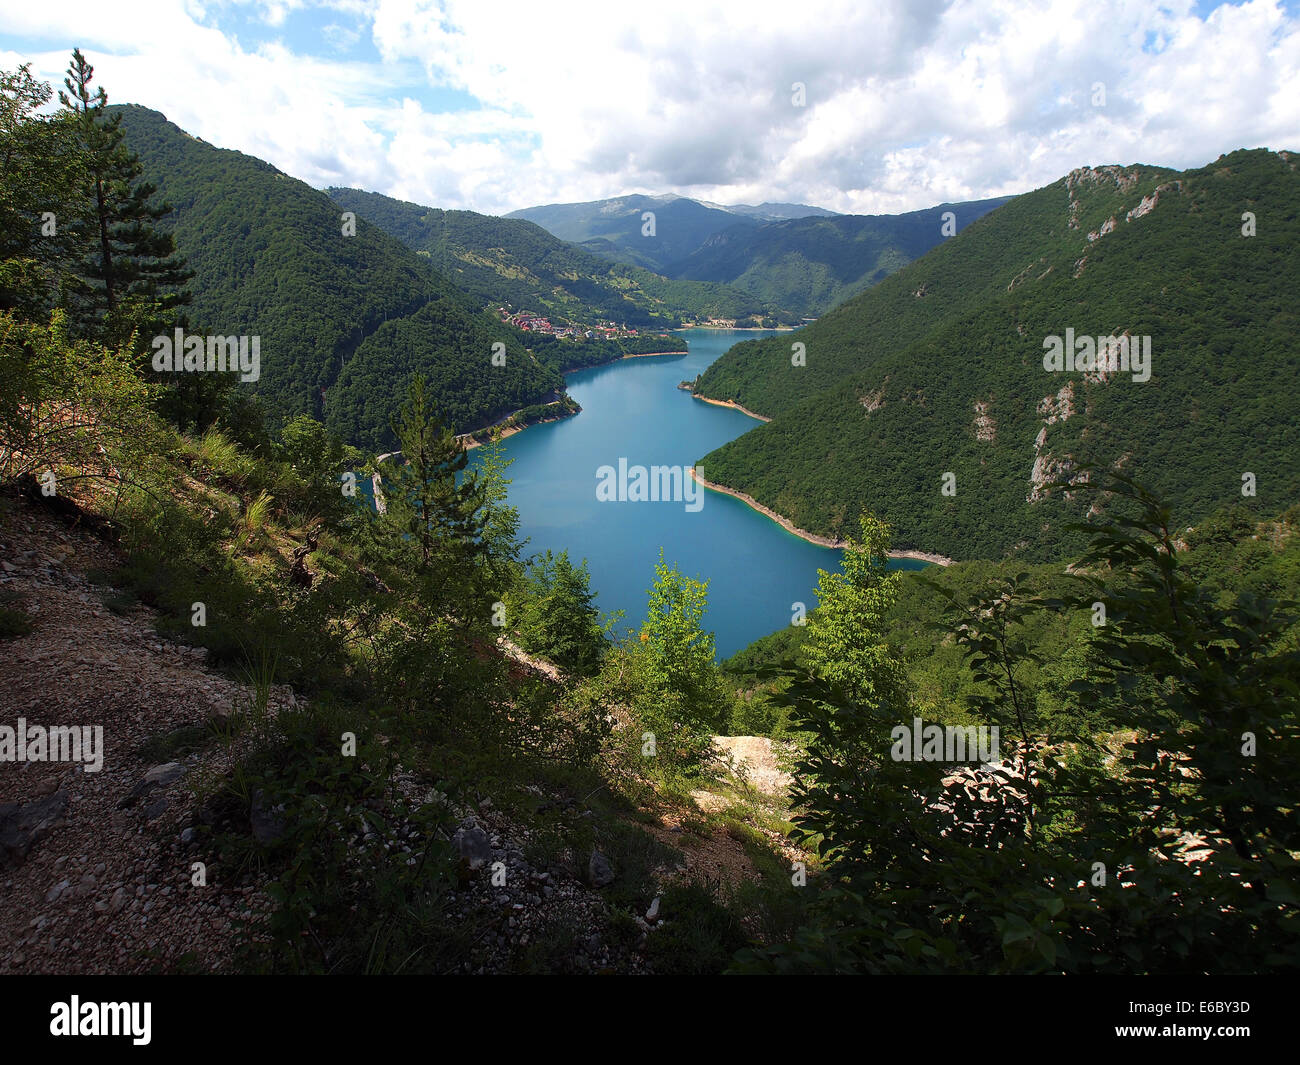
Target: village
(528,322)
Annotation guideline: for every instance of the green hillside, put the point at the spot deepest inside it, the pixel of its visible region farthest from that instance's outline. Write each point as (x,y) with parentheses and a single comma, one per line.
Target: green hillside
(1047,226)
(939,369)
(811,264)
(510,260)
(344,321)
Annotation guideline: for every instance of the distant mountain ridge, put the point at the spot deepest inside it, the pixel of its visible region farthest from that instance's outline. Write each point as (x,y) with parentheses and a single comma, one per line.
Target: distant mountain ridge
(511,260)
(779,212)
(811,264)
(802,259)
(616,228)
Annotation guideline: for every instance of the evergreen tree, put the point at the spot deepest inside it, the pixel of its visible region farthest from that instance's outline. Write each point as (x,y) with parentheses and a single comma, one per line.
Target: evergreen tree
(500,519)
(132,274)
(578,619)
(428,544)
(433,519)
(679,652)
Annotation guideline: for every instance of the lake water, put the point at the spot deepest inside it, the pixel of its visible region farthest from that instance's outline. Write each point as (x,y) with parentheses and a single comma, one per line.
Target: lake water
(633,410)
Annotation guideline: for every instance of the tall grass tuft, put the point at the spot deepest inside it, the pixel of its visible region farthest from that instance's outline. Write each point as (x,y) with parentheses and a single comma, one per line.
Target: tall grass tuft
(223,457)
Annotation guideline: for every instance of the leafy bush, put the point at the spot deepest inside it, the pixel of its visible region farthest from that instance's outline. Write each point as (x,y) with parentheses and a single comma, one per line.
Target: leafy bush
(555,614)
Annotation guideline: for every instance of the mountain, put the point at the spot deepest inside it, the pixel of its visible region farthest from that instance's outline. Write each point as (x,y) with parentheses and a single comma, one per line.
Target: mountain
(616,228)
(344,321)
(804,260)
(779,212)
(811,264)
(510,260)
(939,369)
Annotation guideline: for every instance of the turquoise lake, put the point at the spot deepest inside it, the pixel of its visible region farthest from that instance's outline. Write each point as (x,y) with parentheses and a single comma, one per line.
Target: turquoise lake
(634,410)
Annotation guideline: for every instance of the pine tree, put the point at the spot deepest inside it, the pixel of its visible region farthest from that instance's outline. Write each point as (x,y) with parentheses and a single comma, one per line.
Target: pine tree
(679,652)
(500,519)
(433,521)
(133,276)
(577,618)
(557,615)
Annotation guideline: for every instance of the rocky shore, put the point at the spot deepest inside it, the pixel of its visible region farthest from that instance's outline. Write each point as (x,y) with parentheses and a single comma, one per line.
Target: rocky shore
(803,534)
(731,404)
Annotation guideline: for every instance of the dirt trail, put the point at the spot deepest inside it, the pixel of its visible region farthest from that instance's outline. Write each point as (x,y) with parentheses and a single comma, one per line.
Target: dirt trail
(101,889)
(757,760)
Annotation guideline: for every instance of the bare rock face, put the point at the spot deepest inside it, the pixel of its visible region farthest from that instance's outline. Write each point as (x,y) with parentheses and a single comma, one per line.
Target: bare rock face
(754,760)
(472,844)
(160,776)
(267,822)
(23,825)
(599,872)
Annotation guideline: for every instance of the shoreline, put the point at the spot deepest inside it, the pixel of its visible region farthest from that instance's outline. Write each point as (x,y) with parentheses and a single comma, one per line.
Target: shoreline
(621,358)
(743,328)
(469,443)
(729,403)
(803,534)
(467,439)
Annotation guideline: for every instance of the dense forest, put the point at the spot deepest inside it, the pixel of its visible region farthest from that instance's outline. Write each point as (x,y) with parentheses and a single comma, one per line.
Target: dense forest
(796,261)
(926,398)
(271,258)
(959,275)
(1227,552)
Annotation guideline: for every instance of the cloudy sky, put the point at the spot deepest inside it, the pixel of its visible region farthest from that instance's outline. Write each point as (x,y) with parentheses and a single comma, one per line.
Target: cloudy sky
(494,106)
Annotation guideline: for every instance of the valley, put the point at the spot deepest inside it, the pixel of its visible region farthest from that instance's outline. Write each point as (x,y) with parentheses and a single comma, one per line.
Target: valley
(871,551)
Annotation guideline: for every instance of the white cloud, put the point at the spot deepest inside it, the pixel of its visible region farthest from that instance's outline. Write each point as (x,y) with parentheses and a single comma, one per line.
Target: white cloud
(908,103)
(340,38)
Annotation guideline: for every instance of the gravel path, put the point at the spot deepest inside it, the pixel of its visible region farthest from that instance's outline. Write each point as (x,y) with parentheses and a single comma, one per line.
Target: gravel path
(101,889)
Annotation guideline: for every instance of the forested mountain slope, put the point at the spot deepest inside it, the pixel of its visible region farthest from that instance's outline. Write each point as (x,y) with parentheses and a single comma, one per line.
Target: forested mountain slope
(344,321)
(1047,227)
(510,260)
(940,368)
(811,264)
